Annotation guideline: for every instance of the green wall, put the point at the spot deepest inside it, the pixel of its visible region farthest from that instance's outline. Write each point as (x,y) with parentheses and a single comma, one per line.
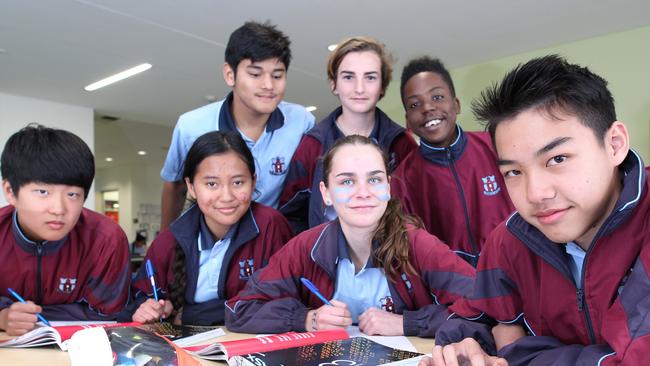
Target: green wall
(623,59)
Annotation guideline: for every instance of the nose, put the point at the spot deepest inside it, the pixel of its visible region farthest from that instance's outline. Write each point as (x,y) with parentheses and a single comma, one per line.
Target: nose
(538,188)
(359,86)
(429,106)
(57,204)
(363,189)
(227,194)
(267,81)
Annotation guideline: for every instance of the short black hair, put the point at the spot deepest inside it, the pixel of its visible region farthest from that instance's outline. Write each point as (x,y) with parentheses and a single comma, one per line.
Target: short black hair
(425,64)
(216,143)
(257,42)
(46,155)
(553,85)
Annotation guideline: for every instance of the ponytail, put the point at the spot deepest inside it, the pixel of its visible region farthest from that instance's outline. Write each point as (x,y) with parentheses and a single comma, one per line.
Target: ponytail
(178,284)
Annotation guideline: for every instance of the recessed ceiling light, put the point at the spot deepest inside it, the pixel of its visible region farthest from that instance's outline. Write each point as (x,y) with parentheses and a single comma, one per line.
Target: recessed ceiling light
(142,152)
(332,47)
(117,77)
(109,159)
(311,108)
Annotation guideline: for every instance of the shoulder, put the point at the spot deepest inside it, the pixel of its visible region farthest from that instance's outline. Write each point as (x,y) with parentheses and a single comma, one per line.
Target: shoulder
(163,243)
(296,115)
(267,216)
(200,118)
(480,138)
(309,145)
(6,213)
(99,229)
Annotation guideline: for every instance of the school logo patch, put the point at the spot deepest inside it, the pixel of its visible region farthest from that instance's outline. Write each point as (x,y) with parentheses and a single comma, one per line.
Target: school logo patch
(246,269)
(278,166)
(67,285)
(490,185)
(387,304)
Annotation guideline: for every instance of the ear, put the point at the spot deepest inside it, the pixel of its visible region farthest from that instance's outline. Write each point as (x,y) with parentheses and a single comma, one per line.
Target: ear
(325,193)
(617,141)
(8,192)
(190,188)
(333,87)
(457,101)
(228,74)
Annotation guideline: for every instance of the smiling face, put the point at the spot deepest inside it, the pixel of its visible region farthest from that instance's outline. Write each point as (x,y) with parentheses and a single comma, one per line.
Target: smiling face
(257,87)
(431,109)
(46,211)
(358,82)
(222,188)
(560,177)
(358,186)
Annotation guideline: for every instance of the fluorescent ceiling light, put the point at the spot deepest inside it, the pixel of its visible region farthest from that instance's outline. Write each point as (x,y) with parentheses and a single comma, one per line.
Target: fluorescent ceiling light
(311,108)
(117,77)
(109,159)
(142,152)
(332,47)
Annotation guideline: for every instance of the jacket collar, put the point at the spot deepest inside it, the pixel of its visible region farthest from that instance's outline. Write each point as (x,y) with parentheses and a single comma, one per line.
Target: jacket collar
(384,131)
(634,181)
(227,121)
(441,155)
(30,246)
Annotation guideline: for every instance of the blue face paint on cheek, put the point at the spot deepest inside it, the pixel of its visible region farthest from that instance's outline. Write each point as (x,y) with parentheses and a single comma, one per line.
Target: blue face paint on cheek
(381,192)
(343,194)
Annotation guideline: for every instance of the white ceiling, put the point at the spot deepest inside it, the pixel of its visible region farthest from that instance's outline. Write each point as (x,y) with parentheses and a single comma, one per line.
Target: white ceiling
(52,49)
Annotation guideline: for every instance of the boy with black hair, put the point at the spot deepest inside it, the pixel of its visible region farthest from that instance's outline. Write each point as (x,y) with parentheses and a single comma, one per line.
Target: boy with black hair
(571,265)
(257,59)
(452,182)
(71,262)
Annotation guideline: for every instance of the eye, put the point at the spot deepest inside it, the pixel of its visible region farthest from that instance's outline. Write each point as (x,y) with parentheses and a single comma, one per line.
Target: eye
(347,182)
(278,76)
(374,180)
(347,77)
(413,105)
(41,192)
(74,195)
(211,184)
(254,74)
(238,183)
(438,97)
(558,159)
(371,77)
(511,173)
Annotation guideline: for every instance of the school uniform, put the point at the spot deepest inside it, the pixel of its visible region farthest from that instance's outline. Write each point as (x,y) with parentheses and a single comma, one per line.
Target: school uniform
(248,246)
(457,191)
(301,201)
(596,315)
(272,151)
(83,276)
(275,301)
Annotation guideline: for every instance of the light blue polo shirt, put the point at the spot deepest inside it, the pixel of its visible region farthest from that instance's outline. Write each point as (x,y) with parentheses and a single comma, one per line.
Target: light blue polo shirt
(272,151)
(212,254)
(577,255)
(363,290)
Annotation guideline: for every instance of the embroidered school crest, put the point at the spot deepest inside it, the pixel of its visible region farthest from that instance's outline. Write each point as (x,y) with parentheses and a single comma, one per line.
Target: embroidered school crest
(387,304)
(67,285)
(490,185)
(246,269)
(278,166)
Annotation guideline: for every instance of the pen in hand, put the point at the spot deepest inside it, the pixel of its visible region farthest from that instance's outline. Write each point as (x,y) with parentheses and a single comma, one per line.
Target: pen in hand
(314,290)
(19,298)
(150,274)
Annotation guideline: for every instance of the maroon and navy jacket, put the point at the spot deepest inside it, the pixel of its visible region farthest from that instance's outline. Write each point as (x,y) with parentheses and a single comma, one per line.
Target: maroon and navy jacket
(525,278)
(301,201)
(274,301)
(84,276)
(258,234)
(457,191)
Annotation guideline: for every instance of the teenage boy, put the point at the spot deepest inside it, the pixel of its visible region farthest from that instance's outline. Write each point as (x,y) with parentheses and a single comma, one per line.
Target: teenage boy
(70,262)
(257,59)
(571,265)
(452,182)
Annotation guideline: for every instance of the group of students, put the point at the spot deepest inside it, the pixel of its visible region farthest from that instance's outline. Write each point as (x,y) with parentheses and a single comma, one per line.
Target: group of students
(551,197)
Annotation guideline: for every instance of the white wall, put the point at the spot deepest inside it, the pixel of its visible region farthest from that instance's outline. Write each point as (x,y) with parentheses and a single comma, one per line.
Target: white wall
(137,184)
(17,111)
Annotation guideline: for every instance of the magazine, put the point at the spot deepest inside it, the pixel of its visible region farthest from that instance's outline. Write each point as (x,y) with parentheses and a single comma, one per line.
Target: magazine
(228,349)
(356,351)
(182,335)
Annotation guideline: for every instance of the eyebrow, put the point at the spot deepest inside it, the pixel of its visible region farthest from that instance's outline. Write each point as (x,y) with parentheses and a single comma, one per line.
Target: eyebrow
(369,174)
(216,177)
(546,148)
(365,73)
(259,68)
(428,91)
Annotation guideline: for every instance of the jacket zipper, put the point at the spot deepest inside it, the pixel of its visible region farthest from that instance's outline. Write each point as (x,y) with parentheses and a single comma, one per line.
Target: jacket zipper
(580,294)
(39,290)
(472,242)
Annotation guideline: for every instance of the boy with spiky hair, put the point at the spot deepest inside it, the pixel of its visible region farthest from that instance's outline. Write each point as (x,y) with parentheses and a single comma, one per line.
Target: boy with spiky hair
(257,58)
(452,181)
(71,263)
(570,267)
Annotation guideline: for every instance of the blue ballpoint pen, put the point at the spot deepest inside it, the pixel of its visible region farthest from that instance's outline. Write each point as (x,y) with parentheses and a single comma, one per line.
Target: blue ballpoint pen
(150,272)
(19,298)
(313,289)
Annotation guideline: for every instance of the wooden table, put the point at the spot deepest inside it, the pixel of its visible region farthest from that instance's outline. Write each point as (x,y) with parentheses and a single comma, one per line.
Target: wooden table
(53,356)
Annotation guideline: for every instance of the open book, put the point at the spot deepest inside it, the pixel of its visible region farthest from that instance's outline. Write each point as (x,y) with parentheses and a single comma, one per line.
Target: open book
(182,335)
(356,351)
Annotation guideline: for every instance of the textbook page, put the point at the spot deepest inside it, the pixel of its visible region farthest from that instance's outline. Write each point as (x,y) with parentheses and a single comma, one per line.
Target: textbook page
(399,342)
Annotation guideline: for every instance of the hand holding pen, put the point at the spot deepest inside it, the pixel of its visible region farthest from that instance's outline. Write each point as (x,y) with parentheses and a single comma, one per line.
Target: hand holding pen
(21,316)
(152,310)
(334,314)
